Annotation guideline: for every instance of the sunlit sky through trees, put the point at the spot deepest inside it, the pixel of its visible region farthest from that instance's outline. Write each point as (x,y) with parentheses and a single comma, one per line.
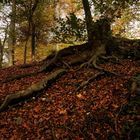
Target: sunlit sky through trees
(132,28)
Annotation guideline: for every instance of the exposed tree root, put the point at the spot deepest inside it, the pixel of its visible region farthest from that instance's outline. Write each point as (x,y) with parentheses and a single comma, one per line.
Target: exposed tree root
(32,89)
(17,77)
(51,62)
(27,65)
(90,80)
(48,65)
(103,72)
(99,51)
(111,73)
(86,54)
(113,59)
(134,86)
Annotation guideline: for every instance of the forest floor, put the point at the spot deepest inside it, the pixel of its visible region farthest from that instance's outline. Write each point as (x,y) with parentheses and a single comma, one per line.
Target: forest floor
(98,111)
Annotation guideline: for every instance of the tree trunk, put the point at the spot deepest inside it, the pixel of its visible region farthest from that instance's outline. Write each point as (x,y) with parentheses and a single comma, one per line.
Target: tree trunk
(35,88)
(33,41)
(1,54)
(12,34)
(99,30)
(25,51)
(31,29)
(88,19)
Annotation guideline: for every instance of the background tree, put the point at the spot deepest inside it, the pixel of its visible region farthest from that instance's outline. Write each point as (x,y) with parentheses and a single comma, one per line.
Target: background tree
(30,7)
(1,54)
(35,23)
(3,32)
(12,33)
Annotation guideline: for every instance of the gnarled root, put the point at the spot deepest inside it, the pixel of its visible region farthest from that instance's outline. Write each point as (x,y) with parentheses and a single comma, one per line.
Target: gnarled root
(113,59)
(92,63)
(32,89)
(90,80)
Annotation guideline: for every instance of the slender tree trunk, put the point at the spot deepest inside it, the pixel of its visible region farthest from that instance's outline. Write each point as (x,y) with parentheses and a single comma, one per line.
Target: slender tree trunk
(31,30)
(12,34)
(88,19)
(1,54)
(26,43)
(33,42)
(25,51)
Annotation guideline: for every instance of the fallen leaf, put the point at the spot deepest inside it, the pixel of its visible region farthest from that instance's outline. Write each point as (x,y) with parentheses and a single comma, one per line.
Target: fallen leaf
(37,109)
(63,111)
(80,96)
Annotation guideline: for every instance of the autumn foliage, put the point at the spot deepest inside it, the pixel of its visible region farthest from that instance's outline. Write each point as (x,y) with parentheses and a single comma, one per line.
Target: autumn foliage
(100,110)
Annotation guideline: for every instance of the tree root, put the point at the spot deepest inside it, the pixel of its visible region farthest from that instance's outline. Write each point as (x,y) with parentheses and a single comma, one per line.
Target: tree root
(17,77)
(91,63)
(88,64)
(113,59)
(51,61)
(95,54)
(66,64)
(49,65)
(93,60)
(133,86)
(103,72)
(45,67)
(32,89)
(89,80)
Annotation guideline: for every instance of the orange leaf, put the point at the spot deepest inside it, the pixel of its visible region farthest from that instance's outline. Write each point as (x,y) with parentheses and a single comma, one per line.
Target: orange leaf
(26,126)
(80,96)
(37,109)
(63,111)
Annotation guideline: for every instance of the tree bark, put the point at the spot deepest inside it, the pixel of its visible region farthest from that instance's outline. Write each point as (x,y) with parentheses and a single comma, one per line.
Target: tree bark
(35,88)
(1,54)
(31,28)
(88,19)
(33,41)
(12,34)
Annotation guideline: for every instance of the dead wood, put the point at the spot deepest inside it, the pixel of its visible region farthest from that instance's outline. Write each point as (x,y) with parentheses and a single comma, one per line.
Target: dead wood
(32,89)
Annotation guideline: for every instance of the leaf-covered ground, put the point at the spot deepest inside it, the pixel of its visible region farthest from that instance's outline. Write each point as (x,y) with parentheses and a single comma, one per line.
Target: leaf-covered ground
(99,111)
